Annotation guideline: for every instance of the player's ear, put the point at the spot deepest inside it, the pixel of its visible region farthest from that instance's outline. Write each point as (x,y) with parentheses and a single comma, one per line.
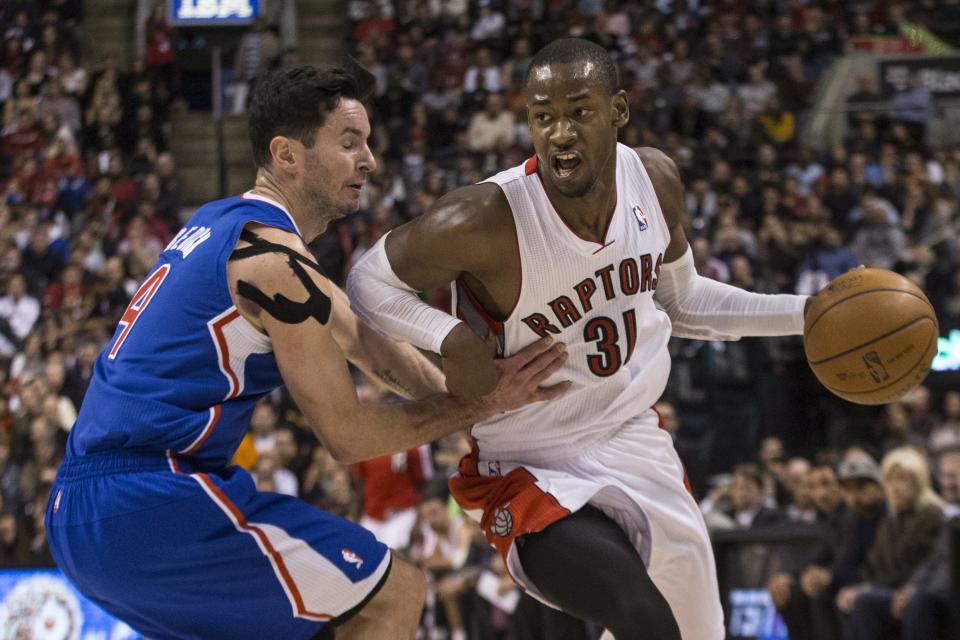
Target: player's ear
(283,153)
(621,110)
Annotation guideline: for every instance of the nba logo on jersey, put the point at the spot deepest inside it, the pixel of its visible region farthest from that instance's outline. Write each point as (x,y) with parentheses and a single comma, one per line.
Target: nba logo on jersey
(641,218)
(351,557)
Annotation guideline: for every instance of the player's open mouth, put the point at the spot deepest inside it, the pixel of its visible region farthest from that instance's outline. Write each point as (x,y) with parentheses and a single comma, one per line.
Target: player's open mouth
(564,164)
(357,186)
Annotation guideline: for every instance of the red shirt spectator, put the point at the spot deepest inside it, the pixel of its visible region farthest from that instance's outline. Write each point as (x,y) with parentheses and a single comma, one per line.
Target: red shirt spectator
(25,140)
(160,49)
(391,483)
(373,26)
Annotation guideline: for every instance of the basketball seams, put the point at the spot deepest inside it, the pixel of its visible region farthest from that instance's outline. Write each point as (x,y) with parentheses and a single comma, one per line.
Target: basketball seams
(873,340)
(920,297)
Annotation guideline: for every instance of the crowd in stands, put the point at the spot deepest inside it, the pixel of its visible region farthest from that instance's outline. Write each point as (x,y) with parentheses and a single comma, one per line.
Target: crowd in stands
(90,197)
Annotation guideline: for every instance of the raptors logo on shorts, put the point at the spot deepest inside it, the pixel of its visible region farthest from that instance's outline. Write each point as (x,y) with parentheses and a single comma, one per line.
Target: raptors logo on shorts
(502,522)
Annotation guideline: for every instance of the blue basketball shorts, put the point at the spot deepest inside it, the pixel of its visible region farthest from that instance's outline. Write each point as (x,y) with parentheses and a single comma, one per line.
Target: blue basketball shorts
(178,552)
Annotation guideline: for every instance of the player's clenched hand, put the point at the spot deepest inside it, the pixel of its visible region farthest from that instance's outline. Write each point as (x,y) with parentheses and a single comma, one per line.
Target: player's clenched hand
(522,374)
(469,364)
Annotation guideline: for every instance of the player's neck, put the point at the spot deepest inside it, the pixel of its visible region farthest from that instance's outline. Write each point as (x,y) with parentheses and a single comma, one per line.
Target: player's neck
(267,187)
(588,215)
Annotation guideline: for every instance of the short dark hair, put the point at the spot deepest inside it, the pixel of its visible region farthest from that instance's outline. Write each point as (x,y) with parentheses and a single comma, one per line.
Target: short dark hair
(295,103)
(568,50)
(749,471)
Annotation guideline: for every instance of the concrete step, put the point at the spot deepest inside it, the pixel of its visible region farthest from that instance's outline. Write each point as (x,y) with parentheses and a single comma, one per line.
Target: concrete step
(200,182)
(324,18)
(108,29)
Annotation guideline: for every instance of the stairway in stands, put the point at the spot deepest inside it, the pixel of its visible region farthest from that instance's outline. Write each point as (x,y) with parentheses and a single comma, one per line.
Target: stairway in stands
(108,29)
(321,25)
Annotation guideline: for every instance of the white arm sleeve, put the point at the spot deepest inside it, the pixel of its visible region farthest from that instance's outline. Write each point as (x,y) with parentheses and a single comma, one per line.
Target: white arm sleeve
(704,309)
(389,305)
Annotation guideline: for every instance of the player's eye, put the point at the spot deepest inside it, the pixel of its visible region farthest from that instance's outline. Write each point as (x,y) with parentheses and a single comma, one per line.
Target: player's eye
(542,117)
(348,145)
(581,112)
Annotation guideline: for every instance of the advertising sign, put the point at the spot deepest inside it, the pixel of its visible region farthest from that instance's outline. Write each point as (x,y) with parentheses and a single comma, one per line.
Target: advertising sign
(186,13)
(939,74)
(40,604)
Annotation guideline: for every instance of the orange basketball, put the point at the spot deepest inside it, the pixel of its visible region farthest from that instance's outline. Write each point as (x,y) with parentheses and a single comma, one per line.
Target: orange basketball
(870,336)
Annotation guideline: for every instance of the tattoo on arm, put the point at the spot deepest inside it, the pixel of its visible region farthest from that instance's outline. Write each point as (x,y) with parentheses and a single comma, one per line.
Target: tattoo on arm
(317,304)
(391,380)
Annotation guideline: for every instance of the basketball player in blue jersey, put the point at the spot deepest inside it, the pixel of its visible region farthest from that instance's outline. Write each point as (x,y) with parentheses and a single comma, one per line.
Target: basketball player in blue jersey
(146,517)
(584,497)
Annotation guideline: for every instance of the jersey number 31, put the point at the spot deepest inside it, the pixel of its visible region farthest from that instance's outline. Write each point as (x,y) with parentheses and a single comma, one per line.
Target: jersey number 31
(604,331)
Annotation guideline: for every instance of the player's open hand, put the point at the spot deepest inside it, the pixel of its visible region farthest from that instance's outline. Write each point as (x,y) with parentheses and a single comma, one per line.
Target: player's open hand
(523,373)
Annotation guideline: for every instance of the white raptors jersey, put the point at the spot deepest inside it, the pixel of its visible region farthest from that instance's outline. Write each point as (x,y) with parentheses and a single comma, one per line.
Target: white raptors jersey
(597,299)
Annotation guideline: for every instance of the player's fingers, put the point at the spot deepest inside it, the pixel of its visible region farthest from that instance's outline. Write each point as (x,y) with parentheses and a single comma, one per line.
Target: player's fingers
(521,358)
(542,368)
(553,391)
(558,352)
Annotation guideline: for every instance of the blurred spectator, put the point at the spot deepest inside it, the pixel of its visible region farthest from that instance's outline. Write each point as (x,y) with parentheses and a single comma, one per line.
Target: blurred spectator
(707,265)
(160,55)
(258,50)
(797,500)
(61,105)
(483,75)
(879,241)
(390,486)
(18,313)
(741,502)
(756,93)
(922,606)
(263,426)
(493,128)
(441,548)
(946,435)
(906,536)
(779,126)
(800,597)
(169,200)
(913,107)
(826,259)
(14,547)
(489,23)
(272,476)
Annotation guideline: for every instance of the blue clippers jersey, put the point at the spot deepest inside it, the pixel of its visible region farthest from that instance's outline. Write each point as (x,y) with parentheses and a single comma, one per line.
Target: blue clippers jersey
(184,369)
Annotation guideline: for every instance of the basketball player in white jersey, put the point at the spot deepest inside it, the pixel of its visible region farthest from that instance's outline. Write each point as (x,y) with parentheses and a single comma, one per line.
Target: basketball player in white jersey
(584,496)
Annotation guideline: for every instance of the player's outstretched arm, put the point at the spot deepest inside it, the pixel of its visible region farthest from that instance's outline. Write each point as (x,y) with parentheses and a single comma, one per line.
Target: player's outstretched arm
(398,367)
(278,287)
(460,234)
(702,308)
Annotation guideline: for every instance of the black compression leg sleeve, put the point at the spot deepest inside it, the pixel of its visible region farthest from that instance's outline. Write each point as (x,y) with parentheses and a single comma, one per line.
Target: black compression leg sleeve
(585,565)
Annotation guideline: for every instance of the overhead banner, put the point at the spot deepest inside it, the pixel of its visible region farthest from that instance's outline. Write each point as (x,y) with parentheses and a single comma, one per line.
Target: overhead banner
(210,13)
(939,74)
